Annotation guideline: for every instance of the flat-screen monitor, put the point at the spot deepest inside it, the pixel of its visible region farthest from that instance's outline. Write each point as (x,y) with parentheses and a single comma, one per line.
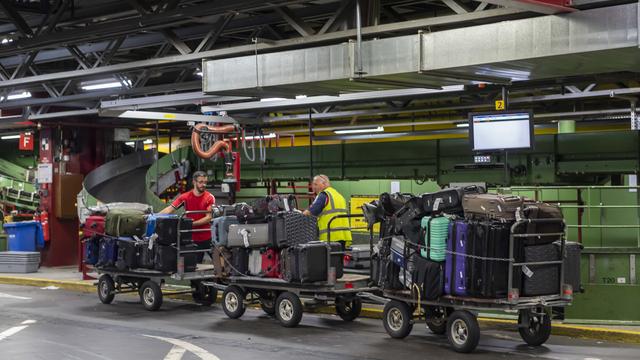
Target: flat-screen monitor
(503,130)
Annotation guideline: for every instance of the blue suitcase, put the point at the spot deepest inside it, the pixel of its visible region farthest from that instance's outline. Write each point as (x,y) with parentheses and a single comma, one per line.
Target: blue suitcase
(108,253)
(91,250)
(220,229)
(455,276)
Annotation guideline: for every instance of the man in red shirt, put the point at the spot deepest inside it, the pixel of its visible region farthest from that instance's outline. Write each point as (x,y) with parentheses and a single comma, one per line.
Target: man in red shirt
(197,199)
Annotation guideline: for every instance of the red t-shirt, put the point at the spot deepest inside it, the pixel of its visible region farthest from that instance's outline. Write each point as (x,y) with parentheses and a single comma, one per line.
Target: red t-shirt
(191,202)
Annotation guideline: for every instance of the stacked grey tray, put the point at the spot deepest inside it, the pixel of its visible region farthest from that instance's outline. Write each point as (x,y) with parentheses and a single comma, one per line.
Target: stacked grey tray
(19,261)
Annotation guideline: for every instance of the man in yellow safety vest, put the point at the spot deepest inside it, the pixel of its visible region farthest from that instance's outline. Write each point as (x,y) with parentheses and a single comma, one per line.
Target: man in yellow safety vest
(327,205)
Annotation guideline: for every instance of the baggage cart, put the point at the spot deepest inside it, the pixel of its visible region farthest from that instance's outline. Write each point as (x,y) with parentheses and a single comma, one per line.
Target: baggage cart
(149,283)
(283,299)
(456,316)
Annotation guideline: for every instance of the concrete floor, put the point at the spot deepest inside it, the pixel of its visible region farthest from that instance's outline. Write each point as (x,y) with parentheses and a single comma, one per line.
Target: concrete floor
(55,324)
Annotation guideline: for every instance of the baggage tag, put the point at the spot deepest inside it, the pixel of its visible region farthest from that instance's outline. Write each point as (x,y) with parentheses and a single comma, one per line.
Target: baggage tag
(527,271)
(436,204)
(245,237)
(152,240)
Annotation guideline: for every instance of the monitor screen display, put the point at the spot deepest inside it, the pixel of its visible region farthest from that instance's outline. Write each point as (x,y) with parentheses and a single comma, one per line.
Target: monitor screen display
(501,130)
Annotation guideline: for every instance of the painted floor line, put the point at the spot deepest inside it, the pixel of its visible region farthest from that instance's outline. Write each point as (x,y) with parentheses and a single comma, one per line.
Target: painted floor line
(12,331)
(196,350)
(9,296)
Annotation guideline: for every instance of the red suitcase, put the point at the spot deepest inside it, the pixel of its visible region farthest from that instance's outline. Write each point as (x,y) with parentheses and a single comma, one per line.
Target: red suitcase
(93,225)
(270,263)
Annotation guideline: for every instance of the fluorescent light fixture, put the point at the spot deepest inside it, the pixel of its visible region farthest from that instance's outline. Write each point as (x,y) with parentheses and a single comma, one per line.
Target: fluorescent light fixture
(257,137)
(130,143)
(462,125)
(298,97)
(10,137)
(148,141)
(199,73)
(360,131)
(20,95)
(6,41)
(272,99)
(104,84)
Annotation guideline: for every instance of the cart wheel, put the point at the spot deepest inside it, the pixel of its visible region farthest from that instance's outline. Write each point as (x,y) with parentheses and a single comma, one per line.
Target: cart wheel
(106,289)
(397,319)
(151,295)
(288,309)
(348,310)
(205,295)
(437,322)
(463,331)
(233,302)
(536,330)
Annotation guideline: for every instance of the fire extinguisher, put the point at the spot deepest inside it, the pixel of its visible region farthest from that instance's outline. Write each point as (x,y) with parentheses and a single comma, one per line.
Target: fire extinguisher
(44,220)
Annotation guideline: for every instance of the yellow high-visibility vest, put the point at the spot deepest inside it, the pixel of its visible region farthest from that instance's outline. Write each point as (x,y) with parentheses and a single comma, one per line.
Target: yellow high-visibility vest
(340,230)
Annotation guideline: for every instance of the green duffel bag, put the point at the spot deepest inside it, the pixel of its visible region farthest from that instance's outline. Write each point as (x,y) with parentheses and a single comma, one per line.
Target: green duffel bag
(125,223)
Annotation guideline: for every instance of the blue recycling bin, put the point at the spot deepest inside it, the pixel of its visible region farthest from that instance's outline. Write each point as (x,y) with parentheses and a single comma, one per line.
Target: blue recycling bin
(24,236)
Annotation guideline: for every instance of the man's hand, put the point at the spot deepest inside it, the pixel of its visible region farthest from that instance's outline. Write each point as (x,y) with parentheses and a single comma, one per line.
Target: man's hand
(306,213)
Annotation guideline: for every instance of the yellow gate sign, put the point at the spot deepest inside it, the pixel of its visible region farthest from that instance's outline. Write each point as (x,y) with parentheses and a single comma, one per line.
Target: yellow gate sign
(499,104)
(358,224)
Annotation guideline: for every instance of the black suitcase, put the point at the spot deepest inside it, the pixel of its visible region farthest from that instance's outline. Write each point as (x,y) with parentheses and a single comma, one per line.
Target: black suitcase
(292,228)
(488,278)
(391,203)
(167,230)
(289,265)
(539,280)
(448,200)
(166,258)
(429,276)
(571,259)
(127,254)
(412,209)
(312,261)
(146,255)
(239,261)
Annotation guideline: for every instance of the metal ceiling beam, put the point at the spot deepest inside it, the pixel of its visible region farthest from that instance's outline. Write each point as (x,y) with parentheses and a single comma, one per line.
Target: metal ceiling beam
(272,46)
(456,6)
(361,97)
(153,115)
(7,8)
(296,23)
(548,7)
(153,102)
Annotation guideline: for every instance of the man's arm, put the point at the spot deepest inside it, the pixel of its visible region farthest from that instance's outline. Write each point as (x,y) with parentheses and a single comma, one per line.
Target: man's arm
(168,210)
(207,218)
(173,206)
(318,204)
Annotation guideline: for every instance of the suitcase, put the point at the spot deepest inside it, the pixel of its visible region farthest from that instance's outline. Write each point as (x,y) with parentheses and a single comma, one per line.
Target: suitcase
(165,258)
(220,229)
(389,277)
(391,203)
(448,200)
(435,231)
(540,210)
(358,257)
(272,204)
(146,255)
(489,277)
(166,226)
(221,257)
(310,262)
(91,249)
(539,280)
(125,223)
(248,235)
(127,254)
(429,276)
(400,253)
(289,265)
(491,206)
(108,253)
(239,261)
(456,275)
(93,225)
(411,210)
(292,228)
(571,260)
(255,262)
(270,263)
(373,213)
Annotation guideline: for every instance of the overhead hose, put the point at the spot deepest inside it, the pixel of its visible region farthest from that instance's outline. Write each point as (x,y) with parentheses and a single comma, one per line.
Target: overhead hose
(217,146)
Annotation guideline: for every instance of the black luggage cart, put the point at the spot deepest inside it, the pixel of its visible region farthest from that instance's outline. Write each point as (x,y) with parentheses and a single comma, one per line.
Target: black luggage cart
(149,283)
(456,316)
